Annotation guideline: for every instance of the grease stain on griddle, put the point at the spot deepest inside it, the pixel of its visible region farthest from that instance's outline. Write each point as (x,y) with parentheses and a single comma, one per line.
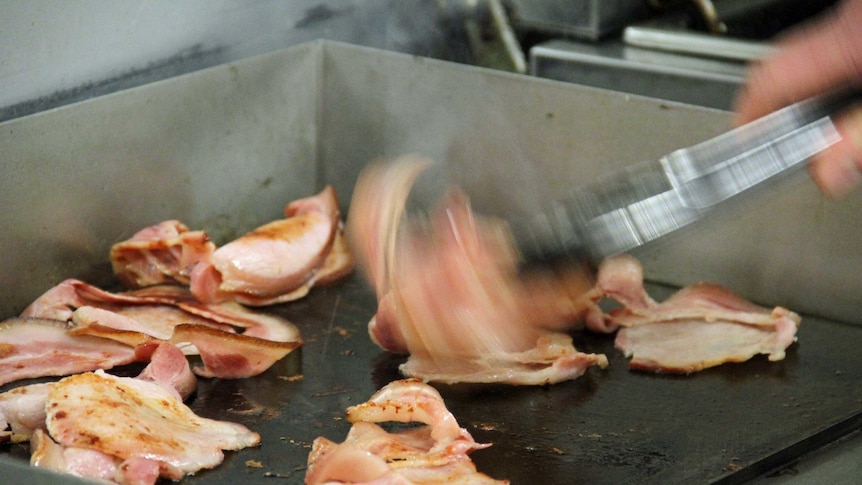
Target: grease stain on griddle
(265,182)
(331,392)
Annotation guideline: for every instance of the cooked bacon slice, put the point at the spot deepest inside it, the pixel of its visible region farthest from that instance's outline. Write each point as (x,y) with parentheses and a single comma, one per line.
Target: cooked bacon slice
(170,313)
(137,471)
(449,291)
(34,347)
(80,462)
(231,356)
(253,323)
(224,354)
(139,419)
(276,262)
(700,326)
(168,367)
(156,320)
(338,263)
(59,302)
(127,337)
(92,464)
(435,453)
(22,410)
(553,359)
(164,253)
(218,315)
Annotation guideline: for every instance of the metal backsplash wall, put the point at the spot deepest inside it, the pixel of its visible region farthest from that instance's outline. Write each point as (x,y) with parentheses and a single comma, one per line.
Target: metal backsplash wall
(56,52)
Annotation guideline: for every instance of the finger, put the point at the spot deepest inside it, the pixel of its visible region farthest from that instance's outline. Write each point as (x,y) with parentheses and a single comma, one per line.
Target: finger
(819,57)
(838,169)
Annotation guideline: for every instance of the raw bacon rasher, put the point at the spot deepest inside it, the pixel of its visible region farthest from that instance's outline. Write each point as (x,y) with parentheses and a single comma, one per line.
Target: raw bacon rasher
(700,326)
(233,341)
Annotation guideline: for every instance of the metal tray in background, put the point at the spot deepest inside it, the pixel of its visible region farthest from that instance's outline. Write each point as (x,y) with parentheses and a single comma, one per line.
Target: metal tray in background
(225,148)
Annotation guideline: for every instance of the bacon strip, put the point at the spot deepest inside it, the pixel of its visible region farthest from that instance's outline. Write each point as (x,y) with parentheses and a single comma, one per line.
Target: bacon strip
(435,453)
(33,347)
(449,292)
(82,462)
(274,263)
(164,253)
(700,326)
(279,261)
(168,367)
(138,419)
(170,313)
(129,431)
(231,356)
(22,411)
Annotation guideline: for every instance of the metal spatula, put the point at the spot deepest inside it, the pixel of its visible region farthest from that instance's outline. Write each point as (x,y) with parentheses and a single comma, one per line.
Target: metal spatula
(651,199)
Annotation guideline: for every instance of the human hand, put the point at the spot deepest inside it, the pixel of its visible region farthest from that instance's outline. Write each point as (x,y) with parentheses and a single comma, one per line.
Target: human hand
(822,56)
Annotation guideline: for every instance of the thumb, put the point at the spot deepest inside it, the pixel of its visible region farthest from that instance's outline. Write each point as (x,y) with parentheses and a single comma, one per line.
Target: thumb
(838,169)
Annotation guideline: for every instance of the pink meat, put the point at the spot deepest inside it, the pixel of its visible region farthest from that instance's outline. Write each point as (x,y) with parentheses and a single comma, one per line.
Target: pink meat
(146,410)
(218,315)
(552,360)
(170,313)
(163,253)
(434,453)
(87,463)
(253,323)
(168,367)
(139,419)
(449,292)
(700,326)
(22,411)
(157,320)
(137,471)
(231,356)
(276,262)
(338,263)
(33,347)
(59,302)
(80,462)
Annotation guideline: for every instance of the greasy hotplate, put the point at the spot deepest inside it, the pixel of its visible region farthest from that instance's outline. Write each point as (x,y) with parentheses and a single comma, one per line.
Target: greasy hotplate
(726,424)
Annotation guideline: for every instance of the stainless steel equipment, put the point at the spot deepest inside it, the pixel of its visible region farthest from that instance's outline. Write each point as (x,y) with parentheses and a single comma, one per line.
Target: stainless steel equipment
(584,19)
(691,51)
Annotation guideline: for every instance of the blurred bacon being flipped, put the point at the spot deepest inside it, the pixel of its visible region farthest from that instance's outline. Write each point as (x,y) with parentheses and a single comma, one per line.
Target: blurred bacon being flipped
(449,291)
(435,453)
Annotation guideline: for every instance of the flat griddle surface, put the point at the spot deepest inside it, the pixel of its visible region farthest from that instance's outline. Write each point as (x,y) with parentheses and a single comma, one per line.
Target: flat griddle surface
(609,426)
